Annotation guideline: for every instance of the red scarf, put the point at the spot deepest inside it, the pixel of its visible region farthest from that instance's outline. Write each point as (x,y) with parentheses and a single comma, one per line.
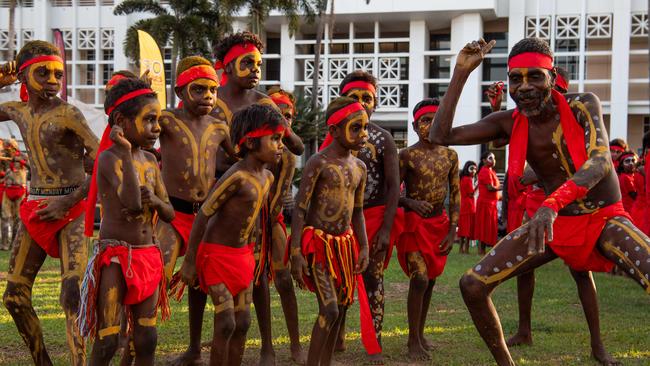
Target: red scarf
(574,136)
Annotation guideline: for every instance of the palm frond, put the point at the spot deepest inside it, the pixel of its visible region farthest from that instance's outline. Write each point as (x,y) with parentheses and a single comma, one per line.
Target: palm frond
(139,6)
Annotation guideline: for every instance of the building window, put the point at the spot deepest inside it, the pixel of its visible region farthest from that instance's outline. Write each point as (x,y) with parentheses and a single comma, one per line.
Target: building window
(439,41)
(567,27)
(107,73)
(495,68)
(599,26)
(86,39)
(108,55)
(61,3)
(538,27)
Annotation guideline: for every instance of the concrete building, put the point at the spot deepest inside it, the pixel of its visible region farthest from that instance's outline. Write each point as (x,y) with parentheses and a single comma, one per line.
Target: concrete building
(409,45)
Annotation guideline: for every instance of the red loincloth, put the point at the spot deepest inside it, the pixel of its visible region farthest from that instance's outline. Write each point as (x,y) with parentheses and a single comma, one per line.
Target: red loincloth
(45,233)
(575,237)
(374,217)
(15,192)
(516,203)
(234,267)
(423,235)
(626,181)
(337,254)
(639,208)
(534,199)
(142,270)
(142,276)
(466,219)
(182,223)
(646,169)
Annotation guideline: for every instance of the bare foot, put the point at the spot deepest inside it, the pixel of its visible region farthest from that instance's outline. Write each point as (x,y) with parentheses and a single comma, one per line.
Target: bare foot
(298,356)
(187,358)
(427,344)
(520,339)
(603,357)
(340,346)
(267,358)
(376,359)
(418,353)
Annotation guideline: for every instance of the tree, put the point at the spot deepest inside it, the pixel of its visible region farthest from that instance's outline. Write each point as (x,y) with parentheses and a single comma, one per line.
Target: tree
(193,27)
(259,10)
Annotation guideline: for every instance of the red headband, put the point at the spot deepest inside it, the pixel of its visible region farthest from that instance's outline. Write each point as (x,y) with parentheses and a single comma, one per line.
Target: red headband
(128,96)
(40,59)
(265,130)
(196,72)
(279,98)
(561,82)
(24,96)
(531,59)
(359,85)
(114,80)
(616,148)
(424,110)
(338,116)
(234,52)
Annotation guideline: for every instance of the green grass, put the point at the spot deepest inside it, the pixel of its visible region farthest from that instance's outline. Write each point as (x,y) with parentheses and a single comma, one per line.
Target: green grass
(560,332)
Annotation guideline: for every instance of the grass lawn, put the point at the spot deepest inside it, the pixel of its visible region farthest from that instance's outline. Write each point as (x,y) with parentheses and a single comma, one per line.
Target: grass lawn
(560,332)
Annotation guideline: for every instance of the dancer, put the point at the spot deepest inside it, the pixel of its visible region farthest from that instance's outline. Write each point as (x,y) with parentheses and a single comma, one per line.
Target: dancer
(486,205)
(51,222)
(572,163)
(467,217)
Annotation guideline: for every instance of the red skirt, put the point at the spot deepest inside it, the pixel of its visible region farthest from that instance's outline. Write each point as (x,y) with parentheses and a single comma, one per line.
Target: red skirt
(575,237)
(142,276)
(374,218)
(466,225)
(15,193)
(182,223)
(217,263)
(639,215)
(486,229)
(45,233)
(424,235)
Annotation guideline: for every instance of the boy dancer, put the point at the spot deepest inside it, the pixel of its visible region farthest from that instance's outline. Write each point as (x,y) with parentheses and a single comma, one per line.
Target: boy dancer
(429,172)
(127,269)
(56,137)
(324,246)
(271,258)
(15,182)
(582,218)
(224,227)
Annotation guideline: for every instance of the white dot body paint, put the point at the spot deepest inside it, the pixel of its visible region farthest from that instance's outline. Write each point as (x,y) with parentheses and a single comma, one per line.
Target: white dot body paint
(496,269)
(520,258)
(478,267)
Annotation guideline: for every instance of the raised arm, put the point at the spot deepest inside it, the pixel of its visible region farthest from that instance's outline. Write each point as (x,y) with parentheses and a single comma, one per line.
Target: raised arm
(485,130)
(8,76)
(116,166)
(392,178)
(359,222)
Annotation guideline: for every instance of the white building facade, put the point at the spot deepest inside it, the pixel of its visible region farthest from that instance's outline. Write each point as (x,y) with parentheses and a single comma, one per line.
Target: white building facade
(408,45)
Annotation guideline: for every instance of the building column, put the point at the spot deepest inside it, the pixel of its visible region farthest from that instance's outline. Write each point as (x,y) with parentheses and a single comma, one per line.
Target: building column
(466,28)
(516,31)
(287,58)
(120,25)
(620,69)
(42,29)
(418,41)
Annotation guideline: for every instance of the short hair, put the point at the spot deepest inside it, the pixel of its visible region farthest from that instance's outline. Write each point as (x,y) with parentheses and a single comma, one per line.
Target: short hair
(619,142)
(278,90)
(191,61)
(484,156)
(357,75)
(624,156)
(126,73)
(252,118)
(532,44)
(465,171)
(32,49)
(337,104)
(563,72)
(131,107)
(237,38)
(424,103)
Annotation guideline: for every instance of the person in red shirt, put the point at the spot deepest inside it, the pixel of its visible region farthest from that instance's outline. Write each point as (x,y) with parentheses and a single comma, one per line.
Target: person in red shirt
(626,172)
(616,148)
(467,219)
(486,204)
(639,208)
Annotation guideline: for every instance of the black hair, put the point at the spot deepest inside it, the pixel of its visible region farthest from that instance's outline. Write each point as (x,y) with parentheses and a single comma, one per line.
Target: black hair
(531,44)
(620,143)
(191,61)
(465,171)
(357,75)
(252,118)
(131,107)
(424,103)
(32,49)
(337,104)
(237,38)
(276,89)
(484,156)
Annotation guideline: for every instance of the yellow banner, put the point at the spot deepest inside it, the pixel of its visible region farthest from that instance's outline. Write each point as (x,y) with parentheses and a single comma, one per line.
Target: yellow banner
(151,59)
